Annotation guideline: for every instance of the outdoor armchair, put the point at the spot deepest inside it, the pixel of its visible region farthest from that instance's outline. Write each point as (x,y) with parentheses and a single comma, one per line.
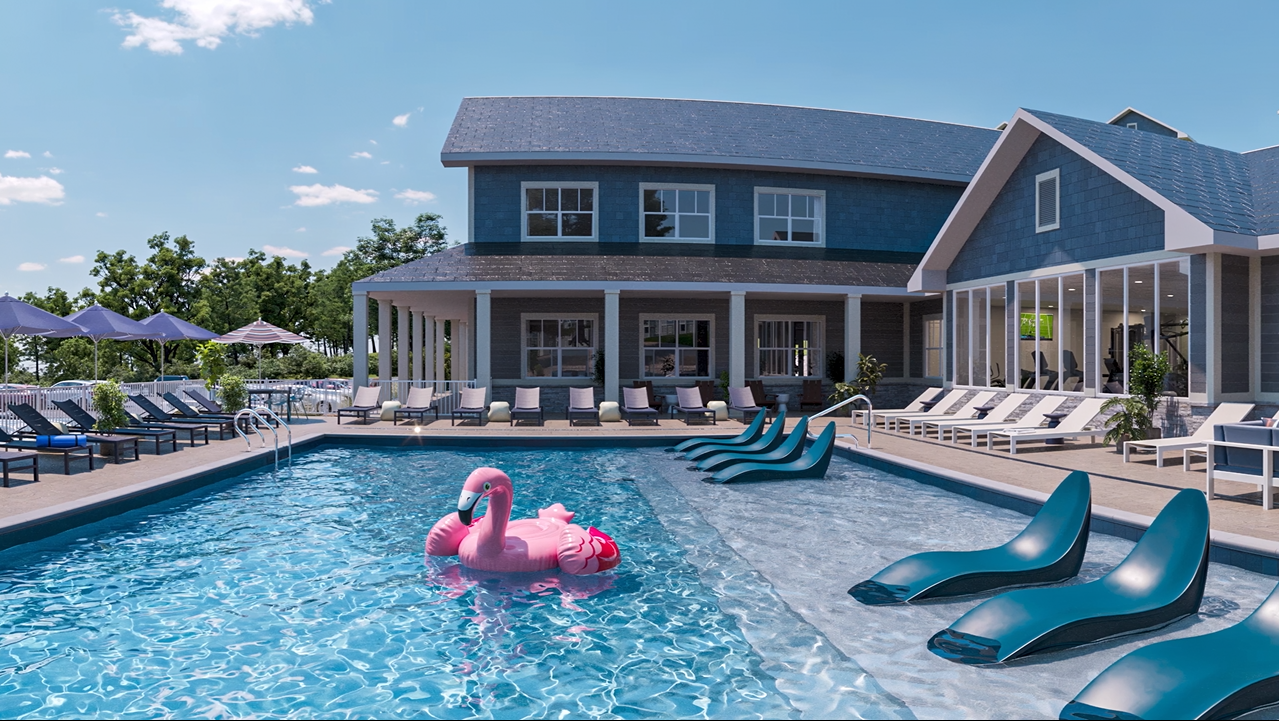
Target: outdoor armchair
(742,400)
(690,405)
(528,406)
(767,400)
(364,404)
(812,396)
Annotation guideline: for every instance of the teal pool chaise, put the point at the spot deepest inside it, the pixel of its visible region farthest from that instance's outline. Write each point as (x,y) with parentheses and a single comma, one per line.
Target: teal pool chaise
(1050,549)
(750,435)
(769,440)
(812,464)
(1218,675)
(790,450)
(1160,581)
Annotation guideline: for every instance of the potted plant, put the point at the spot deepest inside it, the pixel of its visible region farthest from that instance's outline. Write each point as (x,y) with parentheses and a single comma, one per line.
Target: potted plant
(212,359)
(1134,415)
(108,399)
(869,373)
(723,383)
(234,395)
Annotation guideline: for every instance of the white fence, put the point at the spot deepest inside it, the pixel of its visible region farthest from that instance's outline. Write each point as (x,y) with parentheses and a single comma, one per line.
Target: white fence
(42,398)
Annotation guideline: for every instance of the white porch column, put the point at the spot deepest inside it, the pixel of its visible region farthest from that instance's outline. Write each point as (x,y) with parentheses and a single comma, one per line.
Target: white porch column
(416,317)
(440,343)
(483,338)
(612,334)
(384,348)
(462,342)
(852,335)
(360,335)
(428,345)
(403,344)
(737,338)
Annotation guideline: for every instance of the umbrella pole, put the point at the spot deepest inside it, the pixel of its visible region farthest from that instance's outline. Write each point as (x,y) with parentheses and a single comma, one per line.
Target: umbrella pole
(6,359)
(95,359)
(161,360)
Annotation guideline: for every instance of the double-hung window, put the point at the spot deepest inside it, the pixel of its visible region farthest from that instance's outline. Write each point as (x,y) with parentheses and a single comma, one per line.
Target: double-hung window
(559,210)
(558,347)
(675,346)
(789,346)
(677,212)
(932,346)
(790,216)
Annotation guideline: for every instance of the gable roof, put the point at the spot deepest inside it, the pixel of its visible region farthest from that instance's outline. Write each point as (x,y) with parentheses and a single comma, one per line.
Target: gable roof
(1133,111)
(508,130)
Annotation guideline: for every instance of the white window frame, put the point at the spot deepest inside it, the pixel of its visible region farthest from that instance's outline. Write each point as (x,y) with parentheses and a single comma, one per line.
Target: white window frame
(1158,311)
(1054,174)
(675,186)
(941,349)
(821,217)
(678,316)
(561,184)
(1132,126)
(1061,326)
(526,317)
(821,352)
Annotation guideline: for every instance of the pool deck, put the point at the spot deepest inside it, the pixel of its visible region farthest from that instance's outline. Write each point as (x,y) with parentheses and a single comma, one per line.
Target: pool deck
(1137,490)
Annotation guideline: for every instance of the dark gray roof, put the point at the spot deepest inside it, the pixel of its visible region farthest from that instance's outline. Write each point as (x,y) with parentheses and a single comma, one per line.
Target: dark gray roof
(564,129)
(456,265)
(1264,167)
(1213,185)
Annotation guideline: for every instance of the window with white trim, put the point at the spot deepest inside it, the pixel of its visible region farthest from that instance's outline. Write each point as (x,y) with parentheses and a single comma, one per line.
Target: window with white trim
(783,216)
(1048,201)
(558,347)
(559,210)
(932,346)
(677,212)
(675,347)
(789,346)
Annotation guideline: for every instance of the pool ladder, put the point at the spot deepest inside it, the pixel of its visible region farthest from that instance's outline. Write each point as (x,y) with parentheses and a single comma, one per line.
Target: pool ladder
(870,420)
(256,414)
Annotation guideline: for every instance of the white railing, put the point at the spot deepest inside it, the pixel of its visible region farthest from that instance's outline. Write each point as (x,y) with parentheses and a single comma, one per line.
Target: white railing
(870,412)
(446,393)
(42,399)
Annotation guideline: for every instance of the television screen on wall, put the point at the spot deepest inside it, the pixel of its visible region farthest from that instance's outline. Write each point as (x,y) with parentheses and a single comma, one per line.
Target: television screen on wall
(1028,326)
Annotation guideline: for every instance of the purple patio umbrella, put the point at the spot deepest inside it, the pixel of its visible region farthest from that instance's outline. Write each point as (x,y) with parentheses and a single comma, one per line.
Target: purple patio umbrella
(99,323)
(259,333)
(174,328)
(21,318)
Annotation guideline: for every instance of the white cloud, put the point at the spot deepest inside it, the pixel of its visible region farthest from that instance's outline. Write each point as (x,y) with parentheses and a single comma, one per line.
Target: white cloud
(17,154)
(312,195)
(72,259)
(373,141)
(55,171)
(305,169)
(283,251)
(207,22)
(385,162)
(102,215)
(31,267)
(335,250)
(300,230)
(401,120)
(413,197)
(47,154)
(30,190)
(360,154)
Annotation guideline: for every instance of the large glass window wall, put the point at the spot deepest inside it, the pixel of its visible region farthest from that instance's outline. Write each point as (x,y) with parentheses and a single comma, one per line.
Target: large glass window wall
(979,320)
(1145,305)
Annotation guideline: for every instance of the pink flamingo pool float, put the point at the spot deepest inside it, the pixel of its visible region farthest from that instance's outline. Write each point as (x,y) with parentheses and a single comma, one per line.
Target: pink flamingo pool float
(494,542)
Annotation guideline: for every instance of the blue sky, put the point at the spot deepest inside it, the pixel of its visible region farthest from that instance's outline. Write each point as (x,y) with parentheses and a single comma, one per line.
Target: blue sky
(127,138)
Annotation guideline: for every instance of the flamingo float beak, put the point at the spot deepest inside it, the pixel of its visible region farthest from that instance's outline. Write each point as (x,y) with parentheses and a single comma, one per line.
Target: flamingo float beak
(466,506)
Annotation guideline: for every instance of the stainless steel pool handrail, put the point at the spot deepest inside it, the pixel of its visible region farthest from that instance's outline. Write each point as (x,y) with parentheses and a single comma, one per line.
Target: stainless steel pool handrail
(870,412)
(235,423)
(287,429)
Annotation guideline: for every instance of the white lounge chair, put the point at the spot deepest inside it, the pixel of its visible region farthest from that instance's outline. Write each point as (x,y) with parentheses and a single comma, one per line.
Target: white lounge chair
(742,400)
(967,410)
(528,406)
(1224,413)
(913,407)
(998,414)
(471,405)
(1074,425)
(581,405)
(1033,418)
(939,408)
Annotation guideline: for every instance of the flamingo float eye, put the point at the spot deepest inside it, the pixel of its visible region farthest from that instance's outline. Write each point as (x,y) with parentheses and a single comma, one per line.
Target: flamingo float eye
(488,486)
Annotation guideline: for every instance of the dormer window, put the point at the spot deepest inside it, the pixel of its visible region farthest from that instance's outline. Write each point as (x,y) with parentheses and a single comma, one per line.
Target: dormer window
(1048,201)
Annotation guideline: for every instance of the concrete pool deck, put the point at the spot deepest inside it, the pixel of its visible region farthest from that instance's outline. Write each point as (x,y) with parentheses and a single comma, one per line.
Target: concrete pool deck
(1133,492)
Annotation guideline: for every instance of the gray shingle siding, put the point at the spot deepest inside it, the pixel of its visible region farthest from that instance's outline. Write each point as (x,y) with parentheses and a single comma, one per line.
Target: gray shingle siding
(861,213)
(882,335)
(1198,324)
(1100,218)
(1270,324)
(1235,349)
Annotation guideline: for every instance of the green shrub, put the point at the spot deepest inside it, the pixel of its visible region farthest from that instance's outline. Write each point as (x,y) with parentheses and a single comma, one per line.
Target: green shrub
(108,398)
(234,395)
(212,360)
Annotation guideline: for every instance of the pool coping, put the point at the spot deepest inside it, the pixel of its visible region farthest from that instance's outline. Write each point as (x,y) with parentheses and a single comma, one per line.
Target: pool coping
(1233,549)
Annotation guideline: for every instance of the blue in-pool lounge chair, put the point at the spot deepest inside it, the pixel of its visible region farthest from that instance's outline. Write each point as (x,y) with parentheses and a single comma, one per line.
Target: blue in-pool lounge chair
(471,405)
(1161,581)
(1224,674)
(528,406)
(748,436)
(790,449)
(812,464)
(768,440)
(635,406)
(581,406)
(1050,549)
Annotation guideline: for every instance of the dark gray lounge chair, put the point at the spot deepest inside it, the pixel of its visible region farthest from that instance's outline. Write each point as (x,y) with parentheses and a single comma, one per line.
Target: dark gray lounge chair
(85,422)
(690,406)
(154,412)
(742,400)
(192,430)
(205,402)
(8,441)
(581,406)
(364,404)
(417,405)
(635,406)
(186,411)
(528,406)
(41,426)
(471,405)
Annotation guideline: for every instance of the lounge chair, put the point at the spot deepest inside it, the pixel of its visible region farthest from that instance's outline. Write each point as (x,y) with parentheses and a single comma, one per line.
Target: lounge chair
(997,413)
(1073,425)
(225,427)
(191,429)
(420,402)
(936,410)
(1161,581)
(750,435)
(1033,418)
(650,394)
(1050,549)
(923,399)
(762,398)
(967,411)
(528,406)
(205,402)
(8,441)
(1224,413)
(581,406)
(635,406)
(1224,674)
(742,400)
(186,411)
(811,396)
(790,449)
(41,426)
(471,405)
(363,405)
(690,405)
(812,464)
(84,422)
(768,440)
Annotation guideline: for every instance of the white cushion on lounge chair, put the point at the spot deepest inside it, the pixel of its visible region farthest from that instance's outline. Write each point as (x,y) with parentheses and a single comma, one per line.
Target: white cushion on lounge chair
(473,398)
(635,398)
(365,397)
(527,399)
(690,399)
(581,399)
(419,398)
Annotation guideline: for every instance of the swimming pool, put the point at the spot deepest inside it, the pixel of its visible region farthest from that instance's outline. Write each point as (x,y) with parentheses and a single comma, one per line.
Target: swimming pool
(304,593)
